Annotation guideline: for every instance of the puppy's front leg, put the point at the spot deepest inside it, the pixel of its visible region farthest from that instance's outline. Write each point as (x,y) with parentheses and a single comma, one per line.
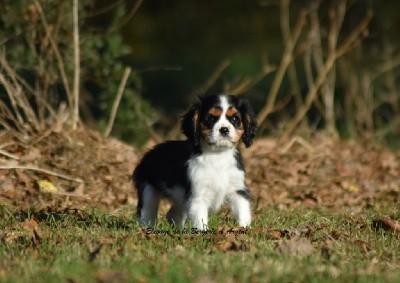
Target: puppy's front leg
(240,206)
(198,213)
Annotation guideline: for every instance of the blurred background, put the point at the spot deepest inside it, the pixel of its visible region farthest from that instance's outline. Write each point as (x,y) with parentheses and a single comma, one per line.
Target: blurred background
(317,65)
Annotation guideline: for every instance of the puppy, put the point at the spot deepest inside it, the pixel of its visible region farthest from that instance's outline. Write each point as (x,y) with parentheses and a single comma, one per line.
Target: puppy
(197,175)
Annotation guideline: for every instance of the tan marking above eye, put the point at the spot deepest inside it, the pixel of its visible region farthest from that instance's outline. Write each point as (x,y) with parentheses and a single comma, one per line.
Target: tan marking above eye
(231,111)
(215,111)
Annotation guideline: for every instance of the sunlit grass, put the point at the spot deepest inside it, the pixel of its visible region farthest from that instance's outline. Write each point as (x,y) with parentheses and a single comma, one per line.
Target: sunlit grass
(90,246)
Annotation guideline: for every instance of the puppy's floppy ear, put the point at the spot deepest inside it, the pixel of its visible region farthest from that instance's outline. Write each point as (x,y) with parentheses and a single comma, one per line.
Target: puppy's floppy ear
(190,122)
(249,122)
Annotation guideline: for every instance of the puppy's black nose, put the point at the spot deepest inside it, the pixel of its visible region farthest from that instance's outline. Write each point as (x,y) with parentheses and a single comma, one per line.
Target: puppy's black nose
(224,131)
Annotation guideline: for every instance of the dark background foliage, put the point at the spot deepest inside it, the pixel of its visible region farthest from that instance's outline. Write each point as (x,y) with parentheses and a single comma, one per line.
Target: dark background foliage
(173,46)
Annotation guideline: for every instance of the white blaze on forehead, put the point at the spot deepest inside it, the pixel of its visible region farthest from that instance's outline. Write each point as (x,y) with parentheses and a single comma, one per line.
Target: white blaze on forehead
(223,100)
(223,121)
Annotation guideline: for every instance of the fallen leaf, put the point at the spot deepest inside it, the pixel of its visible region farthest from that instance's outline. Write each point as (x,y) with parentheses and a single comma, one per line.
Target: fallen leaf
(276,234)
(30,224)
(231,245)
(33,228)
(46,187)
(350,187)
(387,224)
(24,179)
(226,245)
(335,235)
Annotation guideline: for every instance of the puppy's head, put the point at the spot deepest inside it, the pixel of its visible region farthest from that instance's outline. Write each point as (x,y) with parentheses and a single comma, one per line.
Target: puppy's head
(220,122)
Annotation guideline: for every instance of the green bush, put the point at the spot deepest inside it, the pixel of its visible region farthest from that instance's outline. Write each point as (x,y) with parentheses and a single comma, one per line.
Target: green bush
(28,50)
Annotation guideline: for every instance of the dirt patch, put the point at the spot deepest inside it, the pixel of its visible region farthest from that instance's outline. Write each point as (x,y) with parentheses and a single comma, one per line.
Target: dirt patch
(81,168)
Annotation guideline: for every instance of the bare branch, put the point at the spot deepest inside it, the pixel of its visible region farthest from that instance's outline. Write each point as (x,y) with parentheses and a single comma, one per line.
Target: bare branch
(133,11)
(204,88)
(9,155)
(77,69)
(45,171)
(346,46)
(285,62)
(117,101)
(54,46)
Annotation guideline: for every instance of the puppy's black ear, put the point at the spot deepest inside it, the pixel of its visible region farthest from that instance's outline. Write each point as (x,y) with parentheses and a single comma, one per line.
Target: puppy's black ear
(249,122)
(190,122)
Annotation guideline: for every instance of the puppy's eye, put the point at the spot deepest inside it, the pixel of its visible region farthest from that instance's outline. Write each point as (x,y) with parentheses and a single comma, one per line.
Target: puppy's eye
(235,120)
(210,119)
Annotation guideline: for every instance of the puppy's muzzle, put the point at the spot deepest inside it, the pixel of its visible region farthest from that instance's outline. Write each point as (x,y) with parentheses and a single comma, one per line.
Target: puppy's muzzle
(224,131)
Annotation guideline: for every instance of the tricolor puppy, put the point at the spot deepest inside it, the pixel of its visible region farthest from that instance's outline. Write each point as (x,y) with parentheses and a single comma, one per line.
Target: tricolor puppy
(199,174)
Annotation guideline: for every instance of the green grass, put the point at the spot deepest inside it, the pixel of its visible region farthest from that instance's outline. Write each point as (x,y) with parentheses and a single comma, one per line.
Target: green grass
(346,248)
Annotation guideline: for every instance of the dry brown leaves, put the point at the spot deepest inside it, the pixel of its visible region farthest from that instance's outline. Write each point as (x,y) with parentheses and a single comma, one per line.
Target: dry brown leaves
(29,229)
(104,165)
(318,172)
(387,224)
(322,172)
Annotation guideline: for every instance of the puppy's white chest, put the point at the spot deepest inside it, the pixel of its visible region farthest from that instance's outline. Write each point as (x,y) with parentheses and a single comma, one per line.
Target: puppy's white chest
(213,176)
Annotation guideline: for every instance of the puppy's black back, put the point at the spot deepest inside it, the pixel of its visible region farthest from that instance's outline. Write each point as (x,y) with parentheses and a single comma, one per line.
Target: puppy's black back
(165,164)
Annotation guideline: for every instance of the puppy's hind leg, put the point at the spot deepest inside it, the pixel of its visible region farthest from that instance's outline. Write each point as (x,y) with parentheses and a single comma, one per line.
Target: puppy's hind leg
(177,215)
(149,199)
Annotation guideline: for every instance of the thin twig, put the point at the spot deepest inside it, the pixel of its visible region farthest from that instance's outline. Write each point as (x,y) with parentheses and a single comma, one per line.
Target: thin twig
(285,62)
(77,69)
(287,37)
(117,101)
(10,91)
(248,83)
(37,169)
(105,9)
(12,73)
(298,140)
(153,133)
(345,47)
(133,11)
(54,46)
(392,125)
(5,153)
(158,68)
(386,66)
(24,108)
(214,76)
